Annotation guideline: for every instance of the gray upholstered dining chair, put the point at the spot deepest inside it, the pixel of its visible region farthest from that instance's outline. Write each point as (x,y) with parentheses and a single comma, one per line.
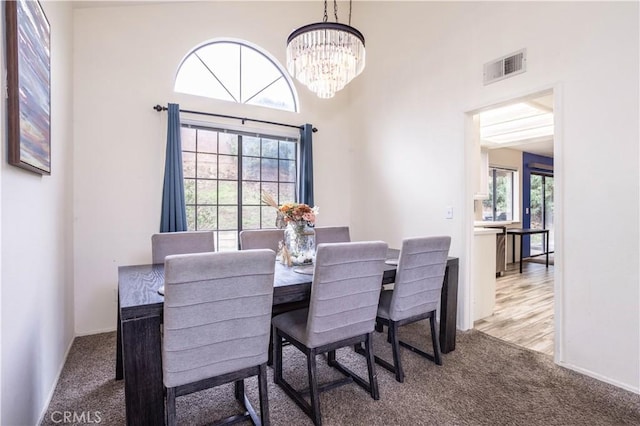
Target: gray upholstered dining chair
(217,312)
(167,243)
(261,238)
(415,296)
(342,311)
(332,234)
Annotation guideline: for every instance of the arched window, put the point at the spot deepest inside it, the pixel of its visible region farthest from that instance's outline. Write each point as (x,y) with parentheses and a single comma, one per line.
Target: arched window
(236,71)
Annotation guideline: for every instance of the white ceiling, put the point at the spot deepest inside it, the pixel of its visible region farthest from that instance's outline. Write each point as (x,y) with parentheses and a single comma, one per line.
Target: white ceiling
(541,145)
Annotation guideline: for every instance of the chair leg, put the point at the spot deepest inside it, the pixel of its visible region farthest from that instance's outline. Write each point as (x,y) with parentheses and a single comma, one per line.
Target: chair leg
(395,347)
(371,367)
(264,397)
(313,389)
(277,357)
(171,406)
(331,358)
(239,391)
(435,340)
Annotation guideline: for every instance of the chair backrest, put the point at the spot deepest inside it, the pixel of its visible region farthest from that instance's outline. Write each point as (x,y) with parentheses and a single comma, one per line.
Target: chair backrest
(332,234)
(419,276)
(217,313)
(251,239)
(345,291)
(168,243)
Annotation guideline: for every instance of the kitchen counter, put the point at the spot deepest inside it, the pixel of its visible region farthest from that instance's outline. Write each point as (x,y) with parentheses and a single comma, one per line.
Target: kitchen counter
(491,223)
(486,231)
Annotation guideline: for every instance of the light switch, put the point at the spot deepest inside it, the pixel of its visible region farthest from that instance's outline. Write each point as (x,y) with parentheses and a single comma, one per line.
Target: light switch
(449,213)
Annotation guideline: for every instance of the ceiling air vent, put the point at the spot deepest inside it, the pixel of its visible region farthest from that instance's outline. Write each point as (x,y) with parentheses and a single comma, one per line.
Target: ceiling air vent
(507,66)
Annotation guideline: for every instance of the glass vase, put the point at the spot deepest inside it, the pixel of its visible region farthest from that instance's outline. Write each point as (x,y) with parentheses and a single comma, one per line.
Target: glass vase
(300,240)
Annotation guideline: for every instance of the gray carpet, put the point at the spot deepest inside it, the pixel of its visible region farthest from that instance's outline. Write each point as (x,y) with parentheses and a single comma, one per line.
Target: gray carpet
(483,382)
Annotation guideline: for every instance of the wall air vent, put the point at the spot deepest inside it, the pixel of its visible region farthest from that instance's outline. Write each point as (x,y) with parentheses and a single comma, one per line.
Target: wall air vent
(507,66)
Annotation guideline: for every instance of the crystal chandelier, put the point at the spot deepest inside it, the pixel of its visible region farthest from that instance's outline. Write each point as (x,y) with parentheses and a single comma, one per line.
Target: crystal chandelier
(325,56)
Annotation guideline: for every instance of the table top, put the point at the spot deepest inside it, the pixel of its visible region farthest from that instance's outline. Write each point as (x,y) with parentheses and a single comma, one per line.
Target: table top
(526,231)
(138,286)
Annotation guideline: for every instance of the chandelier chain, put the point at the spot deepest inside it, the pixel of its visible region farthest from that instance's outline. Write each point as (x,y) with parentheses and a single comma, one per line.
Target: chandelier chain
(325,12)
(350,12)
(335,9)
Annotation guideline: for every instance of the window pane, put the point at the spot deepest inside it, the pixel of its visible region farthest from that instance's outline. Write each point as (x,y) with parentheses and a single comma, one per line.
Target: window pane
(228,144)
(195,79)
(271,188)
(223,59)
(259,72)
(269,169)
(189,164)
(189,191)
(251,193)
(207,166)
(227,240)
(288,150)
(504,195)
(206,218)
(287,171)
(228,219)
(268,217)
(228,167)
(207,141)
(269,148)
(250,168)
(287,193)
(251,217)
(278,96)
(250,146)
(226,69)
(188,139)
(191,218)
(228,193)
(207,192)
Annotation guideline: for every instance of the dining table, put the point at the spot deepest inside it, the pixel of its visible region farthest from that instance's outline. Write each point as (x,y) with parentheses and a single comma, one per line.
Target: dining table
(140,310)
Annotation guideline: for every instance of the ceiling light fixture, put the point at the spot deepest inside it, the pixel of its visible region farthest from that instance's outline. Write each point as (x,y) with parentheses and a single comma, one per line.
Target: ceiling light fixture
(325,56)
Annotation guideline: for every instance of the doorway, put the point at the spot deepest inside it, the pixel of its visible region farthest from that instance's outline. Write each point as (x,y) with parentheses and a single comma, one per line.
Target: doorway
(519,137)
(541,216)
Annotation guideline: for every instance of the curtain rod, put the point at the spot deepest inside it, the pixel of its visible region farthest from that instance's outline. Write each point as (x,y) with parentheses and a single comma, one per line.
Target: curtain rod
(160,108)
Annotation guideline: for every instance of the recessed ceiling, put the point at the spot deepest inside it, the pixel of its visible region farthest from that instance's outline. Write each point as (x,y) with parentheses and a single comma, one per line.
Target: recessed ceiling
(525,125)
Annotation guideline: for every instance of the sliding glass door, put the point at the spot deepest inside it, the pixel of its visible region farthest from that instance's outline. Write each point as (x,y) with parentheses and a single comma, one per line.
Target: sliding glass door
(541,212)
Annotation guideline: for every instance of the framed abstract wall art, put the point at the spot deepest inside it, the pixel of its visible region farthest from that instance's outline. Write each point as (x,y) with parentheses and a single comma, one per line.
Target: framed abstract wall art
(28,86)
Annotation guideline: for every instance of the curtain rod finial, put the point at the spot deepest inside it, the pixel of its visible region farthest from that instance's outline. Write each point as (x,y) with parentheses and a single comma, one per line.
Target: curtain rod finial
(314,130)
(159,108)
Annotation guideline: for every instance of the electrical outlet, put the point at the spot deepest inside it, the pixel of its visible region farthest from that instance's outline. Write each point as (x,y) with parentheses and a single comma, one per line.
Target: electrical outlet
(448,213)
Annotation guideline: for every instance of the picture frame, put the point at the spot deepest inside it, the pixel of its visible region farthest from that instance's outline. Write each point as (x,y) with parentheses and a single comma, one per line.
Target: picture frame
(28,58)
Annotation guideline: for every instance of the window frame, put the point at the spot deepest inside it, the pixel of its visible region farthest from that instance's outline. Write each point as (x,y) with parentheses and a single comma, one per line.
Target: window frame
(492,191)
(259,50)
(240,180)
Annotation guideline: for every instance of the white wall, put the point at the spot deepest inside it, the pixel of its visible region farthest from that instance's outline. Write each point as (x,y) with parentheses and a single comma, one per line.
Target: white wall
(125,59)
(409,108)
(36,276)
(390,154)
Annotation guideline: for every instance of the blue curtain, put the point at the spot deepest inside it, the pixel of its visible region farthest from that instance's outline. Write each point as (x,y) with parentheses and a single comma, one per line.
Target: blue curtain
(305,182)
(174,216)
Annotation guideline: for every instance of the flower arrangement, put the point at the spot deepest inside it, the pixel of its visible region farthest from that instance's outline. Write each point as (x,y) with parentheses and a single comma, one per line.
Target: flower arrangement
(295,212)
(298,247)
(292,212)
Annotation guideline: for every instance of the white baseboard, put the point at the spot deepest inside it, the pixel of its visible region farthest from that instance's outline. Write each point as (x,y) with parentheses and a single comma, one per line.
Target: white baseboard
(55,383)
(625,386)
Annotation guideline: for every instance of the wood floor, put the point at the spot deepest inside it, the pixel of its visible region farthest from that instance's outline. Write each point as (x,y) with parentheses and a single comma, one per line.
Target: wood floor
(523,314)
